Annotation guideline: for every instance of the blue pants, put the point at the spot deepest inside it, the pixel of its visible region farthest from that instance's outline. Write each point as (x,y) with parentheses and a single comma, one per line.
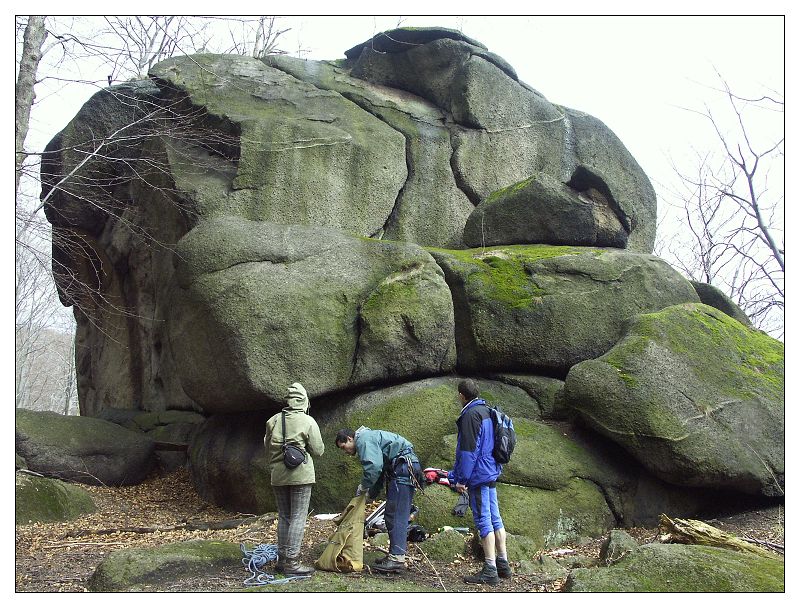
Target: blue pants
(485,509)
(399,495)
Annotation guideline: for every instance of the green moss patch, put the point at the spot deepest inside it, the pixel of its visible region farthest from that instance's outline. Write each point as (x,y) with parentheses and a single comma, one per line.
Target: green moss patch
(682,568)
(131,569)
(505,274)
(40,499)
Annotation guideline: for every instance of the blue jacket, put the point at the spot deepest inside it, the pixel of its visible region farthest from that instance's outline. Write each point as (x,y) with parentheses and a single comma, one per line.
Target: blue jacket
(474,463)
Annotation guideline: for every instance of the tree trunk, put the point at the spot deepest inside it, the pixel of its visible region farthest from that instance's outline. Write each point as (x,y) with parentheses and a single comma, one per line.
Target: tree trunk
(33,40)
(693,532)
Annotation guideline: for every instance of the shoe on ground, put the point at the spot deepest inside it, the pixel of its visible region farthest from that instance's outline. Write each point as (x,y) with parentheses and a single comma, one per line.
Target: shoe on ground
(293,567)
(503,568)
(487,576)
(389,565)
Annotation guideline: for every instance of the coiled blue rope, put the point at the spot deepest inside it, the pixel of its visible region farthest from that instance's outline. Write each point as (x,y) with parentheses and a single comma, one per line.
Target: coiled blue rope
(257,558)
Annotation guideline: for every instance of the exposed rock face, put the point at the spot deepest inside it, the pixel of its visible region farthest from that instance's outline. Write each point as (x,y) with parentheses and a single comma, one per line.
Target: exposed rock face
(694,395)
(715,297)
(82,449)
(41,499)
(252,223)
(543,210)
(138,569)
(686,568)
(259,305)
(545,308)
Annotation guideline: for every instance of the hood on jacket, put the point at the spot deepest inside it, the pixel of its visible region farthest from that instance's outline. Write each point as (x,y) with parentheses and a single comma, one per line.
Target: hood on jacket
(297,398)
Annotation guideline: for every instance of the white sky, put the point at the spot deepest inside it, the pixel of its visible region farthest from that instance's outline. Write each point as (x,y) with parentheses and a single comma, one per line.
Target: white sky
(634,73)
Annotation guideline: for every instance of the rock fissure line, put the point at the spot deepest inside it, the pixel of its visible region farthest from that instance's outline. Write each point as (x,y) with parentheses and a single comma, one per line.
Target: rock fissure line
(634,434)
(458,178)
(291,146)
(755,453)
(618,517)
(368,107)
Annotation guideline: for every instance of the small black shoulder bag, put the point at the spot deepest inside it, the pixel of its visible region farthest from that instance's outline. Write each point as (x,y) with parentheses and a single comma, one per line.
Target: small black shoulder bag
(293,456)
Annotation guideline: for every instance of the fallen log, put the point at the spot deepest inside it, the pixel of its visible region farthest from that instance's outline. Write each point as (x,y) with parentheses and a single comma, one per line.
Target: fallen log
(694,532)
(227,524)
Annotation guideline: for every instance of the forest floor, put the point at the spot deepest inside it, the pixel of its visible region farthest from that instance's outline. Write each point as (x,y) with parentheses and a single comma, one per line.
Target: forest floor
(61,556)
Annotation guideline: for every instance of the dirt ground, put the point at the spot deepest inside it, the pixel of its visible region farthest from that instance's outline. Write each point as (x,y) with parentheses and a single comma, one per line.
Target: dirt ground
(62,556)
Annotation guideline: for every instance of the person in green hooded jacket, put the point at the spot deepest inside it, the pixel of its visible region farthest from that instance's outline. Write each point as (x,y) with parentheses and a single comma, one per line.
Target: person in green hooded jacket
(292,486)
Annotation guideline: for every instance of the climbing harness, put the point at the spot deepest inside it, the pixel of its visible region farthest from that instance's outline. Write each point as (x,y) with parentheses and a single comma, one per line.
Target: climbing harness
(259,557)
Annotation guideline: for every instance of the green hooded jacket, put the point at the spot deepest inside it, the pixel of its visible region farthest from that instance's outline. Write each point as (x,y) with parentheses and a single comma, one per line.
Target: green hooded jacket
(376,449)
(301,430)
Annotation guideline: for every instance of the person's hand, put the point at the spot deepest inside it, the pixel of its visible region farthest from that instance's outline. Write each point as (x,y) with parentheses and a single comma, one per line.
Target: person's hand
(461,488)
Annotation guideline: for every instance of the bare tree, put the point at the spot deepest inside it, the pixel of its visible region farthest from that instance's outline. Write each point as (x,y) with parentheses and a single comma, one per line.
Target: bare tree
(33,40)
(731,209)
(255,37)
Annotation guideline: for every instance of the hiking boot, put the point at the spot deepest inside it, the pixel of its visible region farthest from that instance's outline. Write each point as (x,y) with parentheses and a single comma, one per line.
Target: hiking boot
(390,564)
(293,567)
(503,568)
(487,576)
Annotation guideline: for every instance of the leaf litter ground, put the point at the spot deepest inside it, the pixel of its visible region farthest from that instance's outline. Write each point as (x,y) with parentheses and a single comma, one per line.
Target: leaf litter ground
(61,556)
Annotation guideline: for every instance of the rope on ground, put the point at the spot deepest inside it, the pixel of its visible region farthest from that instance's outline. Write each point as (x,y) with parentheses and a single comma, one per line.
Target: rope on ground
(257,558)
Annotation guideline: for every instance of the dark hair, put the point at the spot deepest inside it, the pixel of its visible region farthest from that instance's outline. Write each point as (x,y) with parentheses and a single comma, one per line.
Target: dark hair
(343,435)
(469,388)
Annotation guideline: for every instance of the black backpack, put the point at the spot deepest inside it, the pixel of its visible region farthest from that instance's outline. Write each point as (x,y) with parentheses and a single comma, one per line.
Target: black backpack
(505,439)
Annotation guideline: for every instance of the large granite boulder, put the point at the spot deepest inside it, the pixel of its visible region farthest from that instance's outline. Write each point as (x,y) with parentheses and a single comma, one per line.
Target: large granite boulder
(543,308)
(397,144)
(692,394)
(542,209)
(144,569)
(83,449)
(259,306)
(41,499)
(250,223)
(681,568)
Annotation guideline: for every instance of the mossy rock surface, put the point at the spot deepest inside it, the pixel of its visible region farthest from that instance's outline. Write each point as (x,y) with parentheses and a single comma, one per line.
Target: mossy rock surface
(547,518)
(132,569)
(82,449)
(548,393)
(430,209)
(695,396)
(301,155)
(262,305)
(40,499)
(444,546)
(423,412)
(682,568)
(545,308)
(544,209)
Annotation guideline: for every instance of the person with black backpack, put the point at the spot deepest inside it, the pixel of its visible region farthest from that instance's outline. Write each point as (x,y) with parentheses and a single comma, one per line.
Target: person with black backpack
(292,438)
(476,469)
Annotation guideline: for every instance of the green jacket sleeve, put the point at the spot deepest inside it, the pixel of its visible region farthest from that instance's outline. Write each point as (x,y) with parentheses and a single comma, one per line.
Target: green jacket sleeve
(371,456)
(315,445)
